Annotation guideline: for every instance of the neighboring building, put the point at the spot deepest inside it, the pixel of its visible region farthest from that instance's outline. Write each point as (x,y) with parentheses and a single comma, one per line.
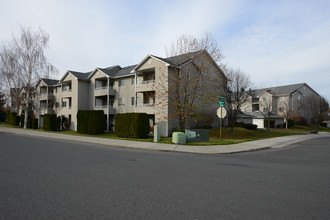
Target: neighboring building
(136,88)
(280,100)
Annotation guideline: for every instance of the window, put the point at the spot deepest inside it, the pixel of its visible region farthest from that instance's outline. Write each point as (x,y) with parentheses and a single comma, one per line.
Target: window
(120,101)
(281,109)
(133,80)
(264,98)
(57,105)
(110,83)
(265,109)
(299,97)
(121,82)
(132,100)
(63,104)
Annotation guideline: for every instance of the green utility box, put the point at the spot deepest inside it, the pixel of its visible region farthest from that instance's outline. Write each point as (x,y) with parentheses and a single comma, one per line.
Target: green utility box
(198,135)
(178,138)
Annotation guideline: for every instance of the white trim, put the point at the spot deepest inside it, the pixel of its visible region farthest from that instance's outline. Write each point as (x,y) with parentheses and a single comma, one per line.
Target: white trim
(145,59)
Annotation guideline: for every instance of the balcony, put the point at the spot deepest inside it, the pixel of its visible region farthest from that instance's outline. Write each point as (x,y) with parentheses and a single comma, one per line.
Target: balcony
(146,108)
(45,110)
(102,90)
(112,111)
(44,96)
(145,85)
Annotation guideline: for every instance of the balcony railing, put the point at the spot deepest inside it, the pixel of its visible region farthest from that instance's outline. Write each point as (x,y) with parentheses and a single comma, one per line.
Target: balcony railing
(66,90)
(103,106)
(146,105)
(147,82)
(100,87)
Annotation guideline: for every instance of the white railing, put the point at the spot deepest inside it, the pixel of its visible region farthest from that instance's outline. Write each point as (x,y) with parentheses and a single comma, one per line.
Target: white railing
(146,105)
(103,106)
(66,90)
(147,82)
(100,87)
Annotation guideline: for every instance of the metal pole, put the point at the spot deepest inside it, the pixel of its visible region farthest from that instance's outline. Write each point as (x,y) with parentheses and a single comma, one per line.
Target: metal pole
(220,122)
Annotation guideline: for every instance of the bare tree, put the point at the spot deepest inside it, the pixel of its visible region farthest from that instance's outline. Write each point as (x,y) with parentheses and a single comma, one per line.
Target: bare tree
(193,83)
(236,93)
(24,61)
(317,106)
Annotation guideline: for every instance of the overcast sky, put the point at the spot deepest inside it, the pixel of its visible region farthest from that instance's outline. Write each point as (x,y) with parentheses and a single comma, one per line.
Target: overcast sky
(276,42)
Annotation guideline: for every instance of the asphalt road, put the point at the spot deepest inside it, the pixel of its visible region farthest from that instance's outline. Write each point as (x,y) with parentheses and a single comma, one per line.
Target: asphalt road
(52,179)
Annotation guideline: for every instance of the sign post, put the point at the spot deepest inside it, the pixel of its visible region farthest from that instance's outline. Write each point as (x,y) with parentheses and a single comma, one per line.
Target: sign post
(221,112)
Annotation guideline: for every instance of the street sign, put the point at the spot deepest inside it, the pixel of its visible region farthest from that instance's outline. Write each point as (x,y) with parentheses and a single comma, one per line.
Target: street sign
(221,104)
(222,98)
(221,112)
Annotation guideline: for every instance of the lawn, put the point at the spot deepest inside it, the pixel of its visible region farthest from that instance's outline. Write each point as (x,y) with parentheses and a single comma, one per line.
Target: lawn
(239,135)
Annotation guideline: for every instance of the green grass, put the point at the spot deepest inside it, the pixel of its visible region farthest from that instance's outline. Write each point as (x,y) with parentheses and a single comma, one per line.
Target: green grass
(240,134)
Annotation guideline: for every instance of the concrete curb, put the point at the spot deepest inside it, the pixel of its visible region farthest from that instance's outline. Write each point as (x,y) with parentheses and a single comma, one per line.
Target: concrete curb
(277,142)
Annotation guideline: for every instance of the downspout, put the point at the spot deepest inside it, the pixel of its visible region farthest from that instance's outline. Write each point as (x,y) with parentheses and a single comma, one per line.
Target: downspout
(135,95)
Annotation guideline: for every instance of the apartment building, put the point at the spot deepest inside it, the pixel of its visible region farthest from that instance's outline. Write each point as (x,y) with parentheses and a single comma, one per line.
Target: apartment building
(145,87)
(280,100)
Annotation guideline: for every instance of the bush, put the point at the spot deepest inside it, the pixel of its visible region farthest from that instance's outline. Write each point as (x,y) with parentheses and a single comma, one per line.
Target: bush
(35,124)
(12,118)
(132,125)
(239,124)
(250,126)
(2,115)
(18,119)
(50,122)
(271,123)
(29,123)
(90,122)
(22,117)
(176,129)
(291,123)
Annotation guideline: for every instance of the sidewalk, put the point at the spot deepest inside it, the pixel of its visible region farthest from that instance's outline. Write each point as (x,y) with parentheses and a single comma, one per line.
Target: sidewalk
(277,142)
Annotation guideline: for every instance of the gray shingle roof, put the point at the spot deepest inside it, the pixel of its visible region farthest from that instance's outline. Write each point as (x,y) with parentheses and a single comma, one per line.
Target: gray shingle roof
(179,59)
(278,90)
(79,75)
(50,82)
(117,71)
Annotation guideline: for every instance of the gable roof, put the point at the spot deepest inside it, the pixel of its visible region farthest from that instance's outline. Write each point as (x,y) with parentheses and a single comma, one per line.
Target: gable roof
(48,82)
(278,90)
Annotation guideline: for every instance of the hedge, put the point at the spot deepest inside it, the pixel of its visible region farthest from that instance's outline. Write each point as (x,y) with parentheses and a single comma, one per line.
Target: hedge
(250,126)
(2,115)
(132,125)
(90,121)
(35,124)
(50,122)
(271,123)
(13,119)
(22,117)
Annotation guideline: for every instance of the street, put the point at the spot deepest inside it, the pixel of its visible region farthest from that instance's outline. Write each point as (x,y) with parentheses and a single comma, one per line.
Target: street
(53,179)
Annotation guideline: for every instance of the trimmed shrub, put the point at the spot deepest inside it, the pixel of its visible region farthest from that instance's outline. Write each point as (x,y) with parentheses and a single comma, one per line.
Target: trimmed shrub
(291,123)
(240,124)
(50,122)
(35,123)
(250,126)
(2,115)
(271,123)
(22,117)
(90,121)
(18,119)
(29,123)
(132,125)
(12,118)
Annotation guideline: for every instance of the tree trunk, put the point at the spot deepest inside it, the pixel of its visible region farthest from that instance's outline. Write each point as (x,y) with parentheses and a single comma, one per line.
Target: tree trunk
(26,115)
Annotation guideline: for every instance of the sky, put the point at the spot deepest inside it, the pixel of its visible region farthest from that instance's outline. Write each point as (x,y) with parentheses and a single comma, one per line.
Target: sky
(276,42)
